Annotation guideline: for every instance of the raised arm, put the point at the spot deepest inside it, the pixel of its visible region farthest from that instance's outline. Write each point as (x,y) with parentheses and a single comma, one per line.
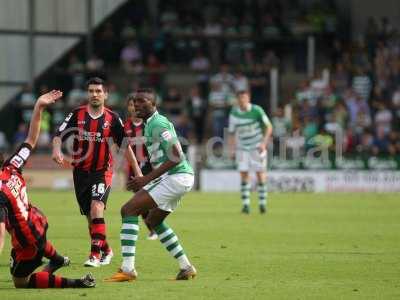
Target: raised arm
(41,103)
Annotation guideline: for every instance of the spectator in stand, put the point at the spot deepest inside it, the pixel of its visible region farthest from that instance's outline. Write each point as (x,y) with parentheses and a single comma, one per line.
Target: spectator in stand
(219,104)
(240,82)
(76,96)
(341,114)
(76,69)
(128,32)
(155,71)
(114,100)
(95,67)
(130,56)
(201,65)
(20,134)
(173,105)
(381,142)
(197,113)
(223,80)
(310,129)
(396,104)
(394,143)
(383,118)
(340,79)
(282,128)
(366,143)
(362,84)
(200,62)
(27,98)
(350,141)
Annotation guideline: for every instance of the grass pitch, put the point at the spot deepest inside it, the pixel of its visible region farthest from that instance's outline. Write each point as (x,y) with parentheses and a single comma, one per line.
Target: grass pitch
(308,246)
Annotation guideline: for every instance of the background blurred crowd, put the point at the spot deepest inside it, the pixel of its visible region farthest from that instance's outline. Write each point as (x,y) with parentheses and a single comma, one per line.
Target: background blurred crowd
(227,47)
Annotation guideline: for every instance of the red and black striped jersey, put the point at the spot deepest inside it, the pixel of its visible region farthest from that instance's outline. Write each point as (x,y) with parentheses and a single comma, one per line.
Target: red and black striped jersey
(134,131)
(93,138)
(25,223)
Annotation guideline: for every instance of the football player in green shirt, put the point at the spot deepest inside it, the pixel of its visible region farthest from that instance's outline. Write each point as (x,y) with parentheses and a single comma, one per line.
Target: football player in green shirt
(250,131)
(157,193)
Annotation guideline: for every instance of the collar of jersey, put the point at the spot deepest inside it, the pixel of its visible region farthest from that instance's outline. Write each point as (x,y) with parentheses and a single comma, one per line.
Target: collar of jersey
(245,111)
(151,117)
(94,118)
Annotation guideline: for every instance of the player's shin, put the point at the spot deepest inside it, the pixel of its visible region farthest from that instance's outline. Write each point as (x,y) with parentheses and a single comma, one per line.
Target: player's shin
(170,241)
(129,235)
(262,196)
(245,194)
(98,236)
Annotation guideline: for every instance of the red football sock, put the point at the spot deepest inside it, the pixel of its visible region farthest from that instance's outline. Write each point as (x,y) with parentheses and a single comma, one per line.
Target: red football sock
(44,280)
(98,235)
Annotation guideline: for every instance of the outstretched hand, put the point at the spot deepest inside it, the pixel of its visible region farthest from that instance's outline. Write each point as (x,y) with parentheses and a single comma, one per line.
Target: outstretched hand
(49,98)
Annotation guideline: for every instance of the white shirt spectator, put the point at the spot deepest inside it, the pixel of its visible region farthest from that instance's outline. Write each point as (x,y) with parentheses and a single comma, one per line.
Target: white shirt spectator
(362,86)
(224,80)
(240,83)
(383,118)
(200,63)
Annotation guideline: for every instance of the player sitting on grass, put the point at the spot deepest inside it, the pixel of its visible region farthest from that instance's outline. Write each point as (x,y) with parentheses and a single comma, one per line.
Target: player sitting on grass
(158,192)
(26,224)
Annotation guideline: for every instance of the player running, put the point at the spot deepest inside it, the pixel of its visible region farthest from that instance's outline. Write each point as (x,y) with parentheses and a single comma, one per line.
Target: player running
(134,129)
(252,129)
(94,126)
(157,193)
(26,224)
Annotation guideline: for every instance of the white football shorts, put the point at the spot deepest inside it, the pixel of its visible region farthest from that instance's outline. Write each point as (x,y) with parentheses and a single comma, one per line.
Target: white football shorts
(168,190)
(251,160)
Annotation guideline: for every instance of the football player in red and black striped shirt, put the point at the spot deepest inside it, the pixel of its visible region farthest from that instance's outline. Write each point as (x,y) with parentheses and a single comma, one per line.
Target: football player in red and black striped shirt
(26,224)
(134,129)
(95,128)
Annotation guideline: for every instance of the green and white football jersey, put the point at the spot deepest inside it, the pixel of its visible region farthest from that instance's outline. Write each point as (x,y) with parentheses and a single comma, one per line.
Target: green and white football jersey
(160,135)
(248,126)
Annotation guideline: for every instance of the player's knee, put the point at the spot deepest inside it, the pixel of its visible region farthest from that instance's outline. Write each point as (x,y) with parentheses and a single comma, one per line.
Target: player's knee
(96,208)
(128,210)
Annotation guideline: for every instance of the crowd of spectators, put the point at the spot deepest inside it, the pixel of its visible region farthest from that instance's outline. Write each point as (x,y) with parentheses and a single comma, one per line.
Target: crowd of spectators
(357,97)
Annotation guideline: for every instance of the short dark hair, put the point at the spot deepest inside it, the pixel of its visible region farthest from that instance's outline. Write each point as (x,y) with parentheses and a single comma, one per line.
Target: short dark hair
(130,97)
(150,93)
(96,81)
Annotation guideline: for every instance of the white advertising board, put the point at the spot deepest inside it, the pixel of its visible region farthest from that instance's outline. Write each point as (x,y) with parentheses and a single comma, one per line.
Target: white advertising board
(307,181)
